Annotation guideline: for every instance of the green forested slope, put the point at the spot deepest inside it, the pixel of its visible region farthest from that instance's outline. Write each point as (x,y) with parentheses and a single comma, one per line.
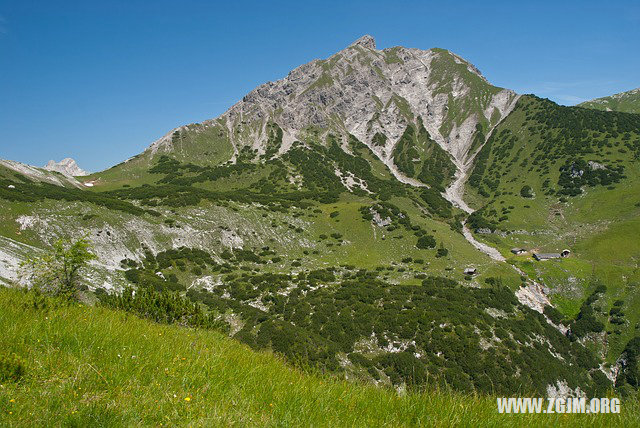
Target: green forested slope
(553,177)
(87,366)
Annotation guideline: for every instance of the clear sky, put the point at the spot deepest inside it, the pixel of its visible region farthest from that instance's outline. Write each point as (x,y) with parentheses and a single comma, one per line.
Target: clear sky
(100,80)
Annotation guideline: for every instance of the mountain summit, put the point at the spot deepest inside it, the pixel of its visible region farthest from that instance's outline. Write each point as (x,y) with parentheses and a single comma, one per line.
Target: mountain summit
(374,95)
(365,41)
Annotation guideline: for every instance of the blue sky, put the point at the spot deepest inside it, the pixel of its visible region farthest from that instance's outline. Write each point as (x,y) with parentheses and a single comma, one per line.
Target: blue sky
(100,80)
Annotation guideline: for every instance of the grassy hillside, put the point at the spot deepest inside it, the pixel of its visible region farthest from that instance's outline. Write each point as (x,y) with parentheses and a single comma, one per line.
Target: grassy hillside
(553,177)
(270,244)
(293,207)
(89,366)
(201,144)
(628,102)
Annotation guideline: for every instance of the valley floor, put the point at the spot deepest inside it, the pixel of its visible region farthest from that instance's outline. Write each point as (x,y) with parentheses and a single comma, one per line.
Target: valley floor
(90,366)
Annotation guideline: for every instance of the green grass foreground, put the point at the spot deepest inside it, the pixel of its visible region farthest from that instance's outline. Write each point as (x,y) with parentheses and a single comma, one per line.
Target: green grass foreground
(91,366)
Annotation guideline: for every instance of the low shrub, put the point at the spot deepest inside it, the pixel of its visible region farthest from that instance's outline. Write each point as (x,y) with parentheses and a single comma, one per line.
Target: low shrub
(12,368)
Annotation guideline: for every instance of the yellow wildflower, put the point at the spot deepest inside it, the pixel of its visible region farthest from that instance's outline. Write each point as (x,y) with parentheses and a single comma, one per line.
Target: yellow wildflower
(187,399)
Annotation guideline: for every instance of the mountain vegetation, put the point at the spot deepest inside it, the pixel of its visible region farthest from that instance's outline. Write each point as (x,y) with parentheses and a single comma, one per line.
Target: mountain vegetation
(371,216)
(80,365)
(627,102)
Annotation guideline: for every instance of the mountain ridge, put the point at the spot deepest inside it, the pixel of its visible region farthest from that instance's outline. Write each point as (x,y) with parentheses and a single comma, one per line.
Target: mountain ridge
(627,102)
(41,174)
(367,92)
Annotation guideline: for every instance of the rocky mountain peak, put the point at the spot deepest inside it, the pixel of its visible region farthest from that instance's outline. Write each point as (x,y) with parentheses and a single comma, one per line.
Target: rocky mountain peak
(364,91)
(374,95)
(67,167)
(365,41)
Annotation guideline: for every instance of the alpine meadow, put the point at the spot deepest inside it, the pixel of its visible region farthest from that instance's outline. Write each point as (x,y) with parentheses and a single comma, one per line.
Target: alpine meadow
(380,238)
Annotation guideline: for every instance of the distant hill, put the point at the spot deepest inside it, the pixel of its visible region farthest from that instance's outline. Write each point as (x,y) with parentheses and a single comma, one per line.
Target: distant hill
(628,102)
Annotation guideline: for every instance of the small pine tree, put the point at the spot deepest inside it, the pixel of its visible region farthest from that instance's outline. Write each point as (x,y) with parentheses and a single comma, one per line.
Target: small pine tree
(442,252)
(59,271)
(426,242)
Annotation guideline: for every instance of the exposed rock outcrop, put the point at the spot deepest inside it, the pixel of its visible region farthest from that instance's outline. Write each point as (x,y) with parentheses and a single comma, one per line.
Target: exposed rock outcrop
(66,166)
(365,91)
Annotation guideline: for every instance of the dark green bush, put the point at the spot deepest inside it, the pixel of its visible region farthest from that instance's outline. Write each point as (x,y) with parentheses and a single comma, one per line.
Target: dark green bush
(426,242)
(526,191)
(12,368)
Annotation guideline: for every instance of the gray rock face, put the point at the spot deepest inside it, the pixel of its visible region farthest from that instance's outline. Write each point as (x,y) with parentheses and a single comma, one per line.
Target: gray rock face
(363,91)
(366,92)
(67,167)
(365,41)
